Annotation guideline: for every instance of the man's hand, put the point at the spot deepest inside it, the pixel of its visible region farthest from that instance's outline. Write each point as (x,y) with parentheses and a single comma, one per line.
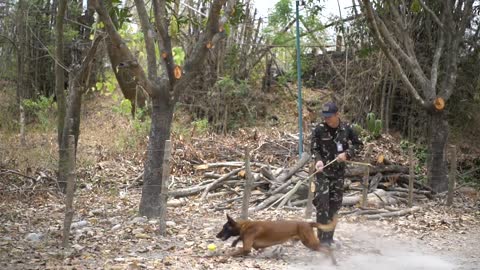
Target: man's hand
(342,157)
(319,166)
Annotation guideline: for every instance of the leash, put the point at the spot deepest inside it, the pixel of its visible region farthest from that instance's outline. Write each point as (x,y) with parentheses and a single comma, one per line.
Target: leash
(317,171)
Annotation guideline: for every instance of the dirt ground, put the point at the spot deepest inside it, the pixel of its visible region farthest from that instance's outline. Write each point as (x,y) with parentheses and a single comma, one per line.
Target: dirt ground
(109,235)
(366,246)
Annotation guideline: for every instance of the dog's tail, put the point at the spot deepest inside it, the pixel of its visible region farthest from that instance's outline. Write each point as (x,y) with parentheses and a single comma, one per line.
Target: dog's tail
(326,227)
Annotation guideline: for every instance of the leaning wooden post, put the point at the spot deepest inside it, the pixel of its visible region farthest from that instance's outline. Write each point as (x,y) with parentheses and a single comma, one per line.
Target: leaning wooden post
(248,185)
(70,190)
(164,192)
(365,187)
(311,190)
(452,176)
(411,178)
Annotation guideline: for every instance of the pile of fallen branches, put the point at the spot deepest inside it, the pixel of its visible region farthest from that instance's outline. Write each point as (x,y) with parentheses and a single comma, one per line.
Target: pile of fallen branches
(288,187)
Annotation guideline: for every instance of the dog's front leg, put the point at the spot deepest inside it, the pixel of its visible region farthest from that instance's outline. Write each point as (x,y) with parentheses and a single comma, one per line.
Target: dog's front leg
(235,242)
(248,240)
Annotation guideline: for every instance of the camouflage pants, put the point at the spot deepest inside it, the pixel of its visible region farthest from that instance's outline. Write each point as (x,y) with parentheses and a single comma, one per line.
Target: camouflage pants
(328,200)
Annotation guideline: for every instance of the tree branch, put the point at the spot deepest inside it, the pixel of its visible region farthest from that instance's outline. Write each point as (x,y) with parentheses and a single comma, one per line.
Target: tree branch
(165,42)
(457,36)
(367,9)
(214,31)
(411,61)
(436,60)
(148,35)
(435,18)
(324,51)
(129,62)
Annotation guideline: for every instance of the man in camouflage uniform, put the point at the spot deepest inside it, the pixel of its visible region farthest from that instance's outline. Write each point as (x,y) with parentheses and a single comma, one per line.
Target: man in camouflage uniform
(331,139)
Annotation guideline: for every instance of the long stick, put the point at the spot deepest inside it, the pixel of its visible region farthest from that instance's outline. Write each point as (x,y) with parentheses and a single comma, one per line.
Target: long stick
(164,190)
(411,178)
(452,176)
(248,185)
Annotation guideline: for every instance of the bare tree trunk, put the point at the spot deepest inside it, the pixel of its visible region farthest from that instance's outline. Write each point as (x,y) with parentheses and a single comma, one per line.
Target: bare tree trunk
(162,113)
(438,179)
(70,168)
(59,68)
(78,79)
(21,52)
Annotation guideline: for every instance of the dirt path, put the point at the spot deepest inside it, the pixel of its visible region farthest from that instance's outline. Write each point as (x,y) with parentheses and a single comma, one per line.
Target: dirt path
(370,248)
(361,245)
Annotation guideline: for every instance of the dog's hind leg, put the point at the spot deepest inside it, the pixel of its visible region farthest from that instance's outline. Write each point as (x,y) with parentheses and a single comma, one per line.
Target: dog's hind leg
(309,240)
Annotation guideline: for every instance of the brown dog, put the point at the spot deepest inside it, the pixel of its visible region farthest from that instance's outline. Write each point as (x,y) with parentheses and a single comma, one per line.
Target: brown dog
(262,234)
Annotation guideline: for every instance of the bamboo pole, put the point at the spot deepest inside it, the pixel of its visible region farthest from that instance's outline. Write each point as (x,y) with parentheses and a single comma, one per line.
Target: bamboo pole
(248,185)
(164,187)
(452,176)
(70,190)
(311,190)
(411,178)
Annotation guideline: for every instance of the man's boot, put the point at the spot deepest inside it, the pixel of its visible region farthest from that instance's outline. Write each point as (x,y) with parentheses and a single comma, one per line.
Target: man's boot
(326,238)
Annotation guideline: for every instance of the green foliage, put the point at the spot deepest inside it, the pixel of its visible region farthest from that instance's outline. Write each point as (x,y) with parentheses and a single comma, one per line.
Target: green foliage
(415,7)
(419,151)
(122,14)
(374,125)
(139,127)
(108,85)
(232,89)
(282,14)
(357,128)
(178,55)
(124,108)
(42,108)
(201,125)
(238,14)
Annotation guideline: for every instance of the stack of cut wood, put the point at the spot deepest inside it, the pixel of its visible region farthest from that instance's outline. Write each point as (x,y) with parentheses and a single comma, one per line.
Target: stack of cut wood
(288,187)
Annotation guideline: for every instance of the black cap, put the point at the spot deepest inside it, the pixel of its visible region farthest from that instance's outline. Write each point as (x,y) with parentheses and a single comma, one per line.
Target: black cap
(329,109)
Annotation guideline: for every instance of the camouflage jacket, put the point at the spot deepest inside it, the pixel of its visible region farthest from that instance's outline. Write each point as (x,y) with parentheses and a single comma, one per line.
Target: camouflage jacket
(327,143)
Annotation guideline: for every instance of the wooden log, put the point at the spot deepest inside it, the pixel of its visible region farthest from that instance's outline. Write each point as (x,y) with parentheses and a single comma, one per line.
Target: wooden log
(185,192)
(371,212)
(213,175)
(351,200)
(389,169)
(303,160)
(227,164)
(394,214)
(416,191)
(266,202)
(218,181)
(374,182)
(267,172)
(289,194)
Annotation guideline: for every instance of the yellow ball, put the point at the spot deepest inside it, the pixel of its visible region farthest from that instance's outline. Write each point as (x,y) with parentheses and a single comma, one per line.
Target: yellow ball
(212,247)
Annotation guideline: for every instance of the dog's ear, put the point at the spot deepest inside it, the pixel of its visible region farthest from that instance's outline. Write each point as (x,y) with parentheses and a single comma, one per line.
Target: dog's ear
(230,220)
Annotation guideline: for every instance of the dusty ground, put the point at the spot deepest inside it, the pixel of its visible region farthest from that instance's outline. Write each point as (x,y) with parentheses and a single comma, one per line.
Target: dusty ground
(109,235)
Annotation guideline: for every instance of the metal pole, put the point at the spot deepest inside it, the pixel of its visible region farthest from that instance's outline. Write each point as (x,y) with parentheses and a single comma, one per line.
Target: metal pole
(299,82)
